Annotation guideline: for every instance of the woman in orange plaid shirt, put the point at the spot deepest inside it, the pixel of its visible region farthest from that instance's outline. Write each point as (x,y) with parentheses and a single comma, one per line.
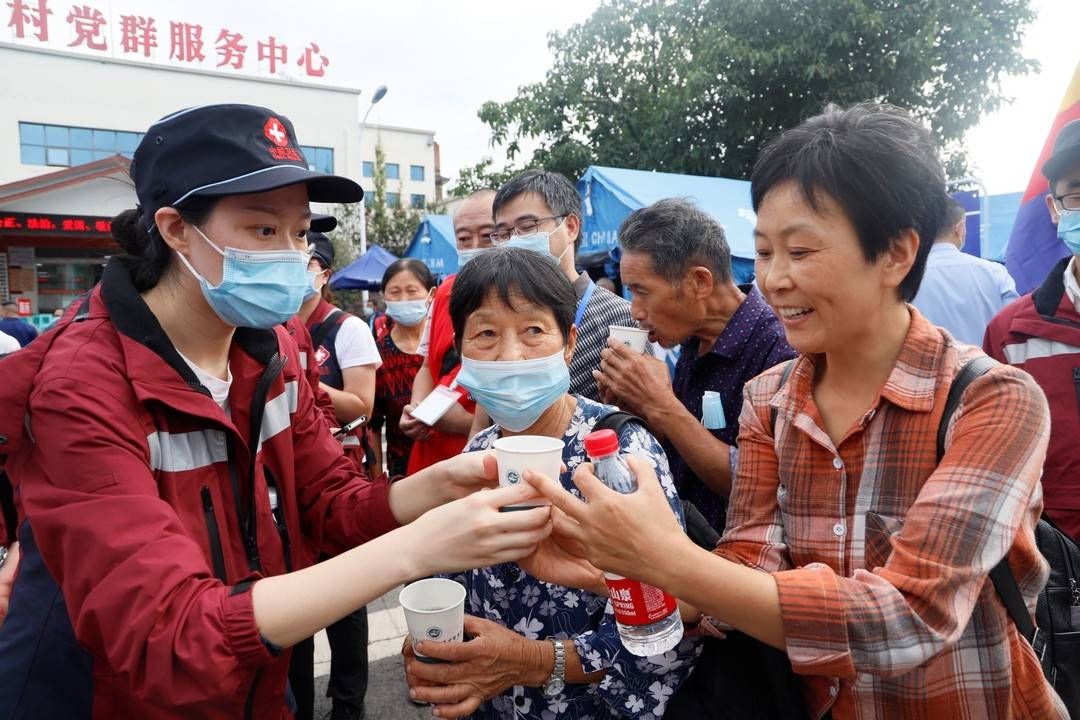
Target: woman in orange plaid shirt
(849,546)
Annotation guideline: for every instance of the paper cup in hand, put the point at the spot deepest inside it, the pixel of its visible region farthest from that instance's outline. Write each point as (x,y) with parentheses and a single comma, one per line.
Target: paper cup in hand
(434,611)
(634,338)
(517,454)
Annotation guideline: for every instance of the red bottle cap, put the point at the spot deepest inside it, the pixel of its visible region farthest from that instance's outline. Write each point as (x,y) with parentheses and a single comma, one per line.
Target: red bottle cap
(601,442)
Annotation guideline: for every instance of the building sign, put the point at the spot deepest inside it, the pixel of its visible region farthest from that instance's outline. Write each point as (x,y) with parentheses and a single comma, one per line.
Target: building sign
(31,224)
(170,37)
(24,306)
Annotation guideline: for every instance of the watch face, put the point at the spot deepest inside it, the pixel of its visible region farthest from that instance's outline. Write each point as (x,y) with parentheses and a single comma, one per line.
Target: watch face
(554,687)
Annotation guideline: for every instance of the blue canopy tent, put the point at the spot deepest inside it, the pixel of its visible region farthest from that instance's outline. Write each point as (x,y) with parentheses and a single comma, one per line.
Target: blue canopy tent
(363,273)
(608,195)
(434,244)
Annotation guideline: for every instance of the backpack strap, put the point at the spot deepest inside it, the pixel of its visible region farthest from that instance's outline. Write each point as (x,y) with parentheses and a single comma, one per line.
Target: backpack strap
(1001,574)
(335,317)
(971,371)
(617,421)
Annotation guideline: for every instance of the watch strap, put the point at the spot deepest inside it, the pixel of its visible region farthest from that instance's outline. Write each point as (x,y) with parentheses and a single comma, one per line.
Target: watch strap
(558,672)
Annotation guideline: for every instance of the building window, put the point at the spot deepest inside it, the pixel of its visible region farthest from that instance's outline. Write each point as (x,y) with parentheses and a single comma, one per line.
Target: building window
(393,199)
(320,159)
(64,146)
(416,172)
(369,169)
(417,201)
(393,171)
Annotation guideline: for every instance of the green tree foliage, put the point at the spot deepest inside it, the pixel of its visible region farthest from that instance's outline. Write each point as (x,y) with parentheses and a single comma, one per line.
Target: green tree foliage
(390,227)
(699,86)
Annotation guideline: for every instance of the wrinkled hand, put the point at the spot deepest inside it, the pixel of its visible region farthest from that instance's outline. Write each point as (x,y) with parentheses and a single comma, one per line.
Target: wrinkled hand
(412,427)
(471,532)
(633,535)
(7,579)
(493,661)
(635,381)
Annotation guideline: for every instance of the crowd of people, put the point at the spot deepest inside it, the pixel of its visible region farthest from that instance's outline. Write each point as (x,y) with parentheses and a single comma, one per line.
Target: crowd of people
(207,462)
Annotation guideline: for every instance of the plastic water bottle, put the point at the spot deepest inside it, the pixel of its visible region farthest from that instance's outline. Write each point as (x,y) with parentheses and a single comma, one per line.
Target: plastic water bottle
(647,617)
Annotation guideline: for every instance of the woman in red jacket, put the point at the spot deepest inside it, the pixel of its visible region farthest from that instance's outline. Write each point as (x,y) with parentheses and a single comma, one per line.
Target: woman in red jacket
(176,457)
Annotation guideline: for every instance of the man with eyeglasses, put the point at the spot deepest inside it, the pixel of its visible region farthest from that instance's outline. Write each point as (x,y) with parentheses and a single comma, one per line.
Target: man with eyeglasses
(541,211)
(1040,333)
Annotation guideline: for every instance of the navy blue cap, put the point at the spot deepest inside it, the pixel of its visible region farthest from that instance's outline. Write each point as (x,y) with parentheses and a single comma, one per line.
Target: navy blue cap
(218,150)
(1066,152)
(321,248)
(322,223)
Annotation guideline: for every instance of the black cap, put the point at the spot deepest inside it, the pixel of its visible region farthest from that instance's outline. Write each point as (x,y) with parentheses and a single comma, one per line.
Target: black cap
(217,150)
(321,248)
(322,223)
(1066,152)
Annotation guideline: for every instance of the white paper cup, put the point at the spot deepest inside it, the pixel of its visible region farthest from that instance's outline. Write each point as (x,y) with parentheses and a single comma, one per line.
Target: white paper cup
(434,611)
(634,338)
(519,453)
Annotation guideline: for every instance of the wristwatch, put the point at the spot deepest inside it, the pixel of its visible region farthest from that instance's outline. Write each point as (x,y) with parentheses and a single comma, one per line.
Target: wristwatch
(3,555)
(557,682)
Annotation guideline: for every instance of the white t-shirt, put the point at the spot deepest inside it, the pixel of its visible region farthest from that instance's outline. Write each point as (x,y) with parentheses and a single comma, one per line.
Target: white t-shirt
(425,334)
(219,389)
(1072,287)
(8,344)
(355,345)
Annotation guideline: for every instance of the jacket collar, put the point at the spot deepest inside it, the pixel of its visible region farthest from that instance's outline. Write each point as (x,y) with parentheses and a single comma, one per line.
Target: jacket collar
(140,330)
(1047,297)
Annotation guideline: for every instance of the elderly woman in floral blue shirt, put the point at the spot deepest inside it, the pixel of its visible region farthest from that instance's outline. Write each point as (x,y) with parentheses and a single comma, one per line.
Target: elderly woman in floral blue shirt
(513,315)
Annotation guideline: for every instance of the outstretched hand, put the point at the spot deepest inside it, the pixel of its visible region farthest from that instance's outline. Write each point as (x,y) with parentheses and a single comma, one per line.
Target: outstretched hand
(634,535)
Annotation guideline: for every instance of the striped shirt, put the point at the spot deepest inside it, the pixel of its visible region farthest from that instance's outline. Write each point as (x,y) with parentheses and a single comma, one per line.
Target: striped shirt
(881,555)
(604,309)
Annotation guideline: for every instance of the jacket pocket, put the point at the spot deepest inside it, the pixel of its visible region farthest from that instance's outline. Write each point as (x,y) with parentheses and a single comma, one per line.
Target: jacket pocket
(217,555)
(278,513)
(881,532)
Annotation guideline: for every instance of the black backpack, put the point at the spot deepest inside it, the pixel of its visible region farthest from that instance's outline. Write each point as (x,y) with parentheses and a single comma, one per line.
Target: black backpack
(1056,636)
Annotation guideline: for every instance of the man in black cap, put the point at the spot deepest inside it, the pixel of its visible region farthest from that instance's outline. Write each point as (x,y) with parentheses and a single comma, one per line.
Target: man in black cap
(1040,333)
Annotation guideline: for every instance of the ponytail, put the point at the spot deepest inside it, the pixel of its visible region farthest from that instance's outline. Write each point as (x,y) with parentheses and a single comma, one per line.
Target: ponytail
(145,252)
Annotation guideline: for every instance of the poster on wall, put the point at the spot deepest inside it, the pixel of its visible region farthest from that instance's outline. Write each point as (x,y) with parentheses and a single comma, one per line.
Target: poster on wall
(21,256)
(4,292)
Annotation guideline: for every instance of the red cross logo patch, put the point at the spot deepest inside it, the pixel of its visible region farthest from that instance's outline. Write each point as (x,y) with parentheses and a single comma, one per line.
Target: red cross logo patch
(275,132)
(322,355)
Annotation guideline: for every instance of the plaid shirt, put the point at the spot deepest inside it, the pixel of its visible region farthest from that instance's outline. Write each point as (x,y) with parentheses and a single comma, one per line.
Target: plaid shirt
(881,555)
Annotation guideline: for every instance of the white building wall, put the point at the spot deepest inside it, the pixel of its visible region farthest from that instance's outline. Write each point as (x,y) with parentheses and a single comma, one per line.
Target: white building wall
(62,89)
(406,147)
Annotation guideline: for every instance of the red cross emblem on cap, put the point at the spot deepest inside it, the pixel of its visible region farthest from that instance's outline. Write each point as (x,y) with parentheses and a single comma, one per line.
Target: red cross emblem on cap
(275,131)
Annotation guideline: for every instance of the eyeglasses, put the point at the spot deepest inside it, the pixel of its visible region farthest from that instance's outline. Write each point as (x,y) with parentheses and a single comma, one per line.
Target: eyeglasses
(521,228)
(1070,202)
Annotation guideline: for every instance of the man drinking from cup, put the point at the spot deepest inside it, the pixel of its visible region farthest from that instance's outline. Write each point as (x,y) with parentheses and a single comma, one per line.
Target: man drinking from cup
(676,262)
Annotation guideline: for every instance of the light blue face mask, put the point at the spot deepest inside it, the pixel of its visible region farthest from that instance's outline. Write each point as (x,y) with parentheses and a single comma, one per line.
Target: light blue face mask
(407,312)
(464,256)
(515,393)
(539,241)
(259,288)
(1068,229)
(312,290)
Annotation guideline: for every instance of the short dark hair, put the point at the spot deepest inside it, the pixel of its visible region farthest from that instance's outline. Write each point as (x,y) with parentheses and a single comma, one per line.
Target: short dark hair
(877,163)
(417,267)
(677,235)
(512,271)
(953,214)
(559,194)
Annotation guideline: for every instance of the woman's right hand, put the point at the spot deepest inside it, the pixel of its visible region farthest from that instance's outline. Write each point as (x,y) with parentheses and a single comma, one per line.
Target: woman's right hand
(471,532)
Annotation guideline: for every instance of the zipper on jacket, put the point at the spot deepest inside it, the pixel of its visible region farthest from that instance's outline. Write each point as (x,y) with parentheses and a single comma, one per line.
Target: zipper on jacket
(216,554)
(278,513)
(1076,384)
(249,704)
(248,522)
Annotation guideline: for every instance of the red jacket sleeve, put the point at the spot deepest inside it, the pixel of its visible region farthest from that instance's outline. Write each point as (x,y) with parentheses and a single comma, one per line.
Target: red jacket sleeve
(138,589)
(339,507)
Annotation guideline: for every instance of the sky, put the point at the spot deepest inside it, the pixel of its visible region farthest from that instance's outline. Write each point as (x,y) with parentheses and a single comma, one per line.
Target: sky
(442,60)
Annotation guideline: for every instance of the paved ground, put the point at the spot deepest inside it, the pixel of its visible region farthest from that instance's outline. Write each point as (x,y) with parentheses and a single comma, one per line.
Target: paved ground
(387,696)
